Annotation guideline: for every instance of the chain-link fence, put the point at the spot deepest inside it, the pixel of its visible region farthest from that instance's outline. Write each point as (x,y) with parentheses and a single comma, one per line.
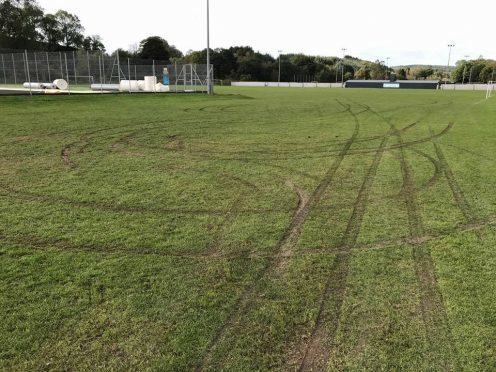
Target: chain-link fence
(81,69)
(189,77)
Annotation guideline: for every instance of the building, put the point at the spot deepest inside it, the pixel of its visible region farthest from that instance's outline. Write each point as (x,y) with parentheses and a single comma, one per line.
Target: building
(393,84)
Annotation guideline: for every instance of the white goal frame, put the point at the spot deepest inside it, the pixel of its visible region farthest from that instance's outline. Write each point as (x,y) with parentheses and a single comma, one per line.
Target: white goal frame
(490,89)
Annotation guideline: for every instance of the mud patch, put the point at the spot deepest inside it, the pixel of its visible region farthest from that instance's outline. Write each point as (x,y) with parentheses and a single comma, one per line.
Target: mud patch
(174,143)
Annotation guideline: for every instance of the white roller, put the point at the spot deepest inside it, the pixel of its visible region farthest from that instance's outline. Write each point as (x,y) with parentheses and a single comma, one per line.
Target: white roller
(129,86)
(60,84)
(150,83)
(162,88)
(112,87)
(29,85)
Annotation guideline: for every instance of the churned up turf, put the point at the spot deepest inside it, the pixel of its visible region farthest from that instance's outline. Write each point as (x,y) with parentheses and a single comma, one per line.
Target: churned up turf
(260,229)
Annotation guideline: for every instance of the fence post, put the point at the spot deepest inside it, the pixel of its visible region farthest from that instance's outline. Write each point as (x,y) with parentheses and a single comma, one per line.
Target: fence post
(61,66)
(100,68)
(103,66)
(4,75)
(48,68)
(118,67)
(36,67)
(129,74)
(27,69)
(13,66)
(67,73)
(24,62)
(75,70)
(154,85)
(175,73)
(213,78)
(90,77)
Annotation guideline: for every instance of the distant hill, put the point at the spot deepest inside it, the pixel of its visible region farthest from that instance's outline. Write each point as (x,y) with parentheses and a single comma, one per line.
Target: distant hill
(434,67)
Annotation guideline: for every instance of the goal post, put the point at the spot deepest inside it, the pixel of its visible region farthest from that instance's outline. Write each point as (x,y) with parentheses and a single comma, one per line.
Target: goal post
(490,89)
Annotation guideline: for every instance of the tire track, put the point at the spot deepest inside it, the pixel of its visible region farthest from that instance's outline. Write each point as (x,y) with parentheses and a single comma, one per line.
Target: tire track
(322,338)
(63,245)
(408,191)
(317,350)
(458,194)
(210,155)
(283,248)
(231,215)
(213,248)
(437,168)
(86,139)
(473,153)
(434,315)
(437,331)
(15,194)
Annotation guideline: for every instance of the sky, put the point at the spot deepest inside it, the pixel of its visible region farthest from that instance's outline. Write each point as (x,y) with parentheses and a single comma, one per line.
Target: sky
(414,32)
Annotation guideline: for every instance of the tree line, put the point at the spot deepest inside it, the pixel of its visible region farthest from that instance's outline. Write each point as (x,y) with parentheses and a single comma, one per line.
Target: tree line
(24,22)
(474,71)
(243,63)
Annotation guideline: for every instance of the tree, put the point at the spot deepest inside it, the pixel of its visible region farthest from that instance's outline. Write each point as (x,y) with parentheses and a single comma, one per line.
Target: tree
(174,53)
(460,73)
(31,15)
(258,66)
(71,29)
(401,74)
(363,73)
(475,71)
(224,61)
(488,73)
(155,47)
(424,73)
(377,70)
(24,24)
(20,19)
(326,75)
(50,30)
(10,14)
(93,43)
(123,54)
(348,75)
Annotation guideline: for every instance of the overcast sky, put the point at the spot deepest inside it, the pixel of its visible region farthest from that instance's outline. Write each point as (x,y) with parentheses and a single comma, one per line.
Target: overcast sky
(407,32)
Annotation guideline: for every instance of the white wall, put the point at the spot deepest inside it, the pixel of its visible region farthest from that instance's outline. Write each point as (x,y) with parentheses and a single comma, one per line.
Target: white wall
(284,85)
(338,85)
(464,86)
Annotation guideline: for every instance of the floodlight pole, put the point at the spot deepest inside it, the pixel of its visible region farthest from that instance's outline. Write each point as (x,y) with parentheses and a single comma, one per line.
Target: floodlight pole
(387,67)
(279,78)
(450,46)
(342,66)
(209,81)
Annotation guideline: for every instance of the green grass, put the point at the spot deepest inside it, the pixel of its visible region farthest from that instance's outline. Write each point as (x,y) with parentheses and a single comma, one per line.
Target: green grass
(260,229)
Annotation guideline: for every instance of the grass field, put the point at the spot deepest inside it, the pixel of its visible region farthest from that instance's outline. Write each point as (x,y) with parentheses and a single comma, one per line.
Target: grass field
(260,229)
